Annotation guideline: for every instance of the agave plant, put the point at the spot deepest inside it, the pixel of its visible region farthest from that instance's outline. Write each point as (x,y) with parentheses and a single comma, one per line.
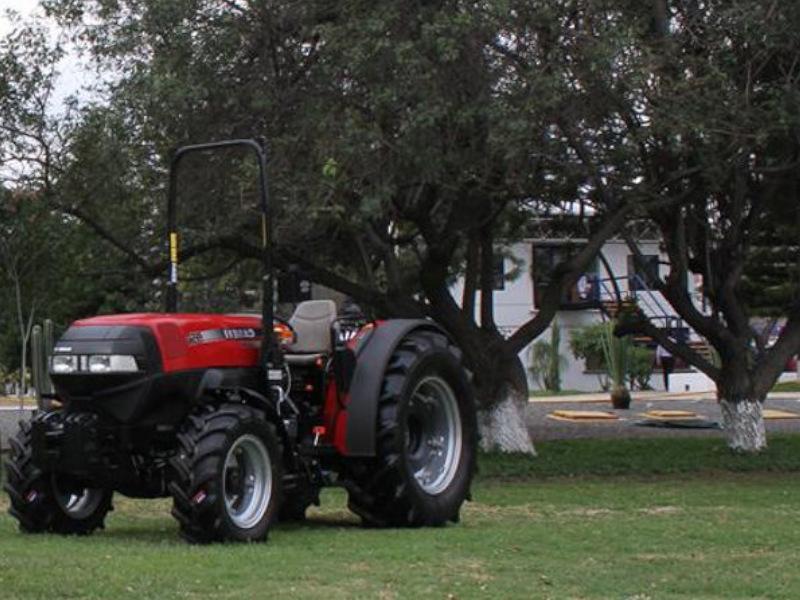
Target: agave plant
(617,352)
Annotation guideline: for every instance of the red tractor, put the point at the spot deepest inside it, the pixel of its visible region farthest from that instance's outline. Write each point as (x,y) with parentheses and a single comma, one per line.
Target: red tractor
(242,424)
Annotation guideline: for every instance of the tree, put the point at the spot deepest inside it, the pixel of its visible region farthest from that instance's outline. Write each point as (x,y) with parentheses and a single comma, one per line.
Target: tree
(405,139)
(53,264)
(30,254)
(705,110)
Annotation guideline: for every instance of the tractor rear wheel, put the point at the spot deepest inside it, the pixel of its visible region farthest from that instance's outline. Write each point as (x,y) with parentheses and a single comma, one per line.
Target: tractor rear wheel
(227,476)
(426,438)
(50,502)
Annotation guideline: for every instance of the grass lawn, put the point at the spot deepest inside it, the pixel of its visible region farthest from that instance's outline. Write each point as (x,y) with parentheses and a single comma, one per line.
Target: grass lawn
(715,526)
(787,386)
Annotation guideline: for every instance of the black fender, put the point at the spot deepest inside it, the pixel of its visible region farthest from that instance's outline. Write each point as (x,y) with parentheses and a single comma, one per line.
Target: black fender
(372,359)
(242,385)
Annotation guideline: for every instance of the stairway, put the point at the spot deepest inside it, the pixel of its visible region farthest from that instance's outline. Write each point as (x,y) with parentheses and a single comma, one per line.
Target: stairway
(647,303)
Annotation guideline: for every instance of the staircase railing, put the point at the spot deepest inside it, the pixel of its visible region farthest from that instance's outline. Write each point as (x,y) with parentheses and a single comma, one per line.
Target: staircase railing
(646,299)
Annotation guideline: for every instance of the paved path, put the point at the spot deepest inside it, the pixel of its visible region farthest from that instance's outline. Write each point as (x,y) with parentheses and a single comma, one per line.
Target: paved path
(10,416)
(704,404)
(543,428)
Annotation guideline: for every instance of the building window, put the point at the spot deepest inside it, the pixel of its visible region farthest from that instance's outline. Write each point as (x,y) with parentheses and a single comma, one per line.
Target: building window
(642,273)
(546,257)
(499,272)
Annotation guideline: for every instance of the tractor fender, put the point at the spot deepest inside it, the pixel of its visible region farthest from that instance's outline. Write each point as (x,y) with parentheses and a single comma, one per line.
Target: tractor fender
(242,384)
(372,359)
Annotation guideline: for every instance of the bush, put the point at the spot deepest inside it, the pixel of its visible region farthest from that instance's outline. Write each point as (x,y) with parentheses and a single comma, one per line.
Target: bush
(587,343)
(546,361)
(640,367)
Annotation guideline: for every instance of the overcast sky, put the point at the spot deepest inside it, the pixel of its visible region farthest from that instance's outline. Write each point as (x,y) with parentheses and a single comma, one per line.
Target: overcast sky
(72,76)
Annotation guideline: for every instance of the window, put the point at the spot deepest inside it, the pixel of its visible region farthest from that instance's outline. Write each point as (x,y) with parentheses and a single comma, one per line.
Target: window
(499,272)
(642,273)
(546,257)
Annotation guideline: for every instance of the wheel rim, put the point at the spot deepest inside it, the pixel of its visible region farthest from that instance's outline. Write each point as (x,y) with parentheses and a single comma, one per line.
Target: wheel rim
(433,434)
(77,504)
(247,481)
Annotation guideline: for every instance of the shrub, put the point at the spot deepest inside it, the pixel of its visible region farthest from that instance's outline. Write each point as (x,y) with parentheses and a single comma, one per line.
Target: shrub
(546,361)
(588,343)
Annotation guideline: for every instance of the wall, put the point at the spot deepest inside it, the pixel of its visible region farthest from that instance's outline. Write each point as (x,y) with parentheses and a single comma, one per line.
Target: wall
(513,306)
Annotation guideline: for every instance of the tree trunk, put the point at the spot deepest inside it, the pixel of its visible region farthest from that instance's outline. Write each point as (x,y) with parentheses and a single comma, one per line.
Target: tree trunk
(503,424)
(743,422)
(23,385)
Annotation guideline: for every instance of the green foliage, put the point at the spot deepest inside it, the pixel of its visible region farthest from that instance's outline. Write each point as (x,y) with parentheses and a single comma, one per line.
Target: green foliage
(546,361)
(623,362)
(787,386)
(616,355)
(640,367)
(398,130)
(586,343)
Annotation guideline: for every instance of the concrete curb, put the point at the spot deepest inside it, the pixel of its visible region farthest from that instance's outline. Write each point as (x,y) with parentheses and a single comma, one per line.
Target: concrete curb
(599,397)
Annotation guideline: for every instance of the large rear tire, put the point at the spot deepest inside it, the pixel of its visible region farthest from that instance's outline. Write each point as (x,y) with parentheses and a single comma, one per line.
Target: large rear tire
(227,476)
(50,502)
(426,438)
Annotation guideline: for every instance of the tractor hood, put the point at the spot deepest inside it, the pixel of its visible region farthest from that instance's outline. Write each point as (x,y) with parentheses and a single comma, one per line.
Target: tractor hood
(123,364)
(185,341)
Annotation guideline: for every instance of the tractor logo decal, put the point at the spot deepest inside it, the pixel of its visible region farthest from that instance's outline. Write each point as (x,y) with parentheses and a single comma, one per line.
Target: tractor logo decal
(219,335)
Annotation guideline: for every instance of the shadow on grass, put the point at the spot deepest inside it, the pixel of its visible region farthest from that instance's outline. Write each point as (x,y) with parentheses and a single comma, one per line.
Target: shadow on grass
(140,532)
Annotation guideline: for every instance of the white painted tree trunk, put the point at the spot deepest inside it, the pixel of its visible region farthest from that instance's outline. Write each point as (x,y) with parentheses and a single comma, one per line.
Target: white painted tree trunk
(743,422)
(504,427)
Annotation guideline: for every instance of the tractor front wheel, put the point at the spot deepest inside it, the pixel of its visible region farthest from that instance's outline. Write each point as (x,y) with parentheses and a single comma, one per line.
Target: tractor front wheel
(426,438)
(50,502)
(227,476)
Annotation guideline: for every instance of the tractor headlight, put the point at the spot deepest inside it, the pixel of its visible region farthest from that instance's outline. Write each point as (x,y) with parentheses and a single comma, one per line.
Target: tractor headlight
(112,363)
(64,363)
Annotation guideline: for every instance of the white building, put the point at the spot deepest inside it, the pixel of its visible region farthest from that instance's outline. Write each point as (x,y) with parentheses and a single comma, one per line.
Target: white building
(526,266)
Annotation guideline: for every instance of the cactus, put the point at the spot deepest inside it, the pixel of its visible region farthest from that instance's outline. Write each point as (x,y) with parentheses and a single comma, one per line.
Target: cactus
(37,362)
(41,350)
(555,359)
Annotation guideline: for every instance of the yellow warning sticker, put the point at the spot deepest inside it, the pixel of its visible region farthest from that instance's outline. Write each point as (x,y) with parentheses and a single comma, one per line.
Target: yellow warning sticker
(173,247)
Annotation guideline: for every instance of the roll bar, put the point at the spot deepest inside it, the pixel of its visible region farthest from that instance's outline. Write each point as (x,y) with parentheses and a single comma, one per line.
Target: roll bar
(270,355)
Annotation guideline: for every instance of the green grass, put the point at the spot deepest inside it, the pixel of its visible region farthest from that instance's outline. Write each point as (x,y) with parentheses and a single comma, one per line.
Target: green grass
(787,386)
(709,531)
(642,458)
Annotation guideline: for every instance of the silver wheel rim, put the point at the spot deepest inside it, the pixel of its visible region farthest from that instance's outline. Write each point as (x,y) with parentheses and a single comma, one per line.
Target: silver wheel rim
(77,504)
(433,434)
(247,481)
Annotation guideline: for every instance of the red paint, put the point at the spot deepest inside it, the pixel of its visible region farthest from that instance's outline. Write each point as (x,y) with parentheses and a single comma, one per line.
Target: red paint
(172,330)
(335,417)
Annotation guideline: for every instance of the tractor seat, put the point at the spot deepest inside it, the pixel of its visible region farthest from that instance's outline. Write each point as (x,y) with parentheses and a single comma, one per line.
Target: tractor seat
(311,321)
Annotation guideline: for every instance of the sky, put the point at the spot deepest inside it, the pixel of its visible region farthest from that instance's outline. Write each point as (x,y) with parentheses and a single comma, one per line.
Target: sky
(72,75)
